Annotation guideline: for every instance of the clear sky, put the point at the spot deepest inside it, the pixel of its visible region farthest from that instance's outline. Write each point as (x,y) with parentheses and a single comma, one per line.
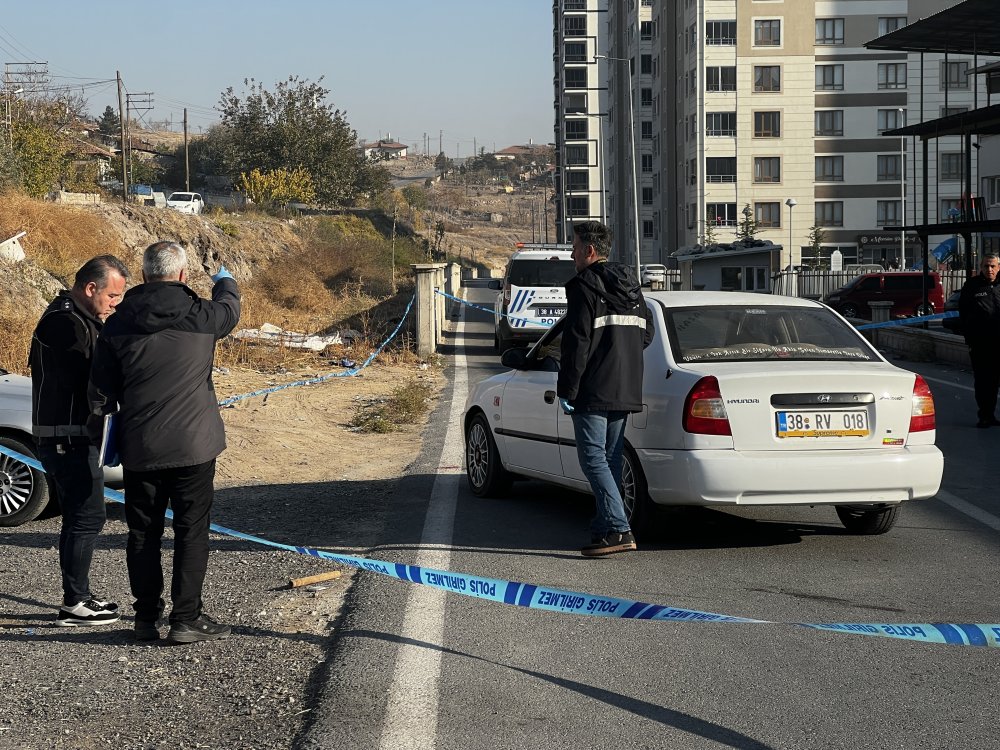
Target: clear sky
(476,70)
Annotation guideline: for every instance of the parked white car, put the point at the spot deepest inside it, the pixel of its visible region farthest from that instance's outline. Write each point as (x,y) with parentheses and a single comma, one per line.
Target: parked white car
(24,492)
(748,400)
(187,203)
(653,272)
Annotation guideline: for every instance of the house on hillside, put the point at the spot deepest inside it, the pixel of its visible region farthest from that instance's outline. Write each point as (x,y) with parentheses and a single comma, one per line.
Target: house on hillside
(529,152)
(386,149)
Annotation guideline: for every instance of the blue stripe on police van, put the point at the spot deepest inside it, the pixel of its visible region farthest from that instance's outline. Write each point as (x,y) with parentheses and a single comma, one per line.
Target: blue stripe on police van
(527,594)
(975,635)
(950,633)
(510,595)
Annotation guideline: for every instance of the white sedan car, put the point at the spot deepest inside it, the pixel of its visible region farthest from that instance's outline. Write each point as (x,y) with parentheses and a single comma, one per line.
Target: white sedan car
(186,203)
(653,273)
(748,400)
(24,492)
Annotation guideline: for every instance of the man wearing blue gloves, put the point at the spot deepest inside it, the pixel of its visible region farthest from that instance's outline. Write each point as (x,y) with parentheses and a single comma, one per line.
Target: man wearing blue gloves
(154,367)
(600,376)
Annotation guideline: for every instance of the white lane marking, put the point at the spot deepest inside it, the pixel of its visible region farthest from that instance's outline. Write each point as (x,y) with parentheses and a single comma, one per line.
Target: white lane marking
(411,713)
(972,511)
(950,384)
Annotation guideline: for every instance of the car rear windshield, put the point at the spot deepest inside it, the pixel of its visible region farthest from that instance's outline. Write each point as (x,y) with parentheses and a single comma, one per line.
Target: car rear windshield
(182,197)
(737,333)
(524,272)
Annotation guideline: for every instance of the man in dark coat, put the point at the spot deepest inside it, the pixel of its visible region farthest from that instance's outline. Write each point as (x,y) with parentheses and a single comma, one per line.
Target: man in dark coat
(979,313)
(607,326)
(62,348)
(154,366)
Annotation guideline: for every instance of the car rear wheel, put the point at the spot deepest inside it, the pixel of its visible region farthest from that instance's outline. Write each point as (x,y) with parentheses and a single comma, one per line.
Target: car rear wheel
(24,492)
(923,309)
(850,310)
(866,520)
(635,493)
(487,476)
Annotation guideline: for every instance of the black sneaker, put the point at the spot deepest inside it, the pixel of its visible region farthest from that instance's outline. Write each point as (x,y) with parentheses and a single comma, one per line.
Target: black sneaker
(192,631)
(146,631)
(613,541)
(90,612)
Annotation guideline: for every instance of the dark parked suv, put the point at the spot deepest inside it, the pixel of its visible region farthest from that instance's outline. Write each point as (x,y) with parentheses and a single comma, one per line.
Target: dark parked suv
(903,288)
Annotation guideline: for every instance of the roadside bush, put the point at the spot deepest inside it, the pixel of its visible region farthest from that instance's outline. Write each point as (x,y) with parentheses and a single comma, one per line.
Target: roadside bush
(407,403)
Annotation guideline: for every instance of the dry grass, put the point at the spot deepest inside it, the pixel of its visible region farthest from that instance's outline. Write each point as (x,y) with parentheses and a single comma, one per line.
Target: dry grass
(16,327)
(406,404)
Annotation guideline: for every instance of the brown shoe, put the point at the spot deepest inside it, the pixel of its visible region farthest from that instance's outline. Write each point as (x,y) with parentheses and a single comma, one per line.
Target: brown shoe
(613,541)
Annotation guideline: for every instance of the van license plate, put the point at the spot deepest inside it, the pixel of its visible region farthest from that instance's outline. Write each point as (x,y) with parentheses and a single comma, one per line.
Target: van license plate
(550,312)
(807,424)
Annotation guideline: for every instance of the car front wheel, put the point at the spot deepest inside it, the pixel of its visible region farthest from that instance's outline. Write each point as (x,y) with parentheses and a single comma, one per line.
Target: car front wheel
(24,492)
(487,476)
(867,520)
(849,310)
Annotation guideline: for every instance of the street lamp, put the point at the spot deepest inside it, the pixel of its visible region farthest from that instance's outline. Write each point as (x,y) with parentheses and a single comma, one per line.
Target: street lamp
(635,177)
(791,203)
(902,192)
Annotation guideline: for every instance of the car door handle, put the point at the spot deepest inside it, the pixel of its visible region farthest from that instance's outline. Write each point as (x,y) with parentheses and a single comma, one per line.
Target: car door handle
(550,397)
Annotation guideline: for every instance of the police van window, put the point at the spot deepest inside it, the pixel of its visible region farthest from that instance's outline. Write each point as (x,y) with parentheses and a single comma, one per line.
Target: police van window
(524,272)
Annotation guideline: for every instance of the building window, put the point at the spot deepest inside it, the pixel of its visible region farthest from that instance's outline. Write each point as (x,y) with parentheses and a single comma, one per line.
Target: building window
(646,30)
(888,167)
(577,181)
(829,213)
(951,210)
(721,214)
(720,169)
(767,33)
(889,24)
(720,124)
(647,196)
(690,213)
(692,170)
(829,77)
(576,130)
(575,52)
(646,129)
(722,33)
(647,163)
(575,5)
(692,128)
(646,97)
(575,26)
(578,205)
(647,229)
(829,31)
(767,215)
(767,169)
(888,214)
(949,111)
(720,78)
(954,75)
(576,103)
(577,155)
(829,169)
(576,78)
(767,124)
(951,167)
(892,75)
(744,278)
(890,119)
(767,78)
(646,65)
(830,122)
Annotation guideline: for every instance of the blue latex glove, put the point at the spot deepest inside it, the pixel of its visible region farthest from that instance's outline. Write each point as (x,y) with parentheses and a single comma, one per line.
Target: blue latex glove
(567,409)
(221,274)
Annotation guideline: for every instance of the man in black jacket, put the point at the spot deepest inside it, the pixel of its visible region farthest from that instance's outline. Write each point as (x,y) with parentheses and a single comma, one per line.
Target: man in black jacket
(154,365)
(62,347)
(979,313)
(607,327)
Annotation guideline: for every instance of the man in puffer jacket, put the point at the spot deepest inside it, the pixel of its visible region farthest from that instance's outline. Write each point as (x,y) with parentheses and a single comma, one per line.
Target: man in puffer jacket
(154,366)
(607,326)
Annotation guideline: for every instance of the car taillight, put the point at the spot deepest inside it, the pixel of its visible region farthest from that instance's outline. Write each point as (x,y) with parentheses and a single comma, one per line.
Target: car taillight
(922,411)
(704,409)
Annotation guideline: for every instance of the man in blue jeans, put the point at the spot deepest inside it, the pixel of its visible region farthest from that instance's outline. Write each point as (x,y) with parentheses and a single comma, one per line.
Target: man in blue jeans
(600,377)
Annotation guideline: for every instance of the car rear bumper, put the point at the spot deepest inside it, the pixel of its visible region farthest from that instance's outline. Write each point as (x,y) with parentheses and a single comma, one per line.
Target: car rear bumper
(728,477)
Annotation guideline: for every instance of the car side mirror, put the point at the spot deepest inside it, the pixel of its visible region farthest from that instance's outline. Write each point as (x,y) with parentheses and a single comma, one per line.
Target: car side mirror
(495,284)
(514,358)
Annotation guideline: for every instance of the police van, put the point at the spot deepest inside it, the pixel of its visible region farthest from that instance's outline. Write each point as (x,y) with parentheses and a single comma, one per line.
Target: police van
(532,293)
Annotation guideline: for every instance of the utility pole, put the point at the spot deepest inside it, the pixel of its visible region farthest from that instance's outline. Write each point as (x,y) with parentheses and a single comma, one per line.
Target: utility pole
(187,162)
(121,126)
(440,141)
(393,269)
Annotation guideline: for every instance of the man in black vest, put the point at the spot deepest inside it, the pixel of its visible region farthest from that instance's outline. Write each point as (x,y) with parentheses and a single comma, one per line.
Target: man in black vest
(979,313)
(62,348)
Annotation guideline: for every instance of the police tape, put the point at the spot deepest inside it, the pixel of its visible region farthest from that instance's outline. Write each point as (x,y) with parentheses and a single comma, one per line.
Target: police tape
(491,311)
(532,596)
(349,373)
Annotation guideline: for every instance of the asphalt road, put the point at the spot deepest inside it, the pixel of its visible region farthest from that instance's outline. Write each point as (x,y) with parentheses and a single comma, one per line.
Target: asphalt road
(415,668)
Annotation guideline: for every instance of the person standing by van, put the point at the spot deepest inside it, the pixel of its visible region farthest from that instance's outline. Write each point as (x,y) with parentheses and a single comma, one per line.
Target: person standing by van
(600,377)
(979,313)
